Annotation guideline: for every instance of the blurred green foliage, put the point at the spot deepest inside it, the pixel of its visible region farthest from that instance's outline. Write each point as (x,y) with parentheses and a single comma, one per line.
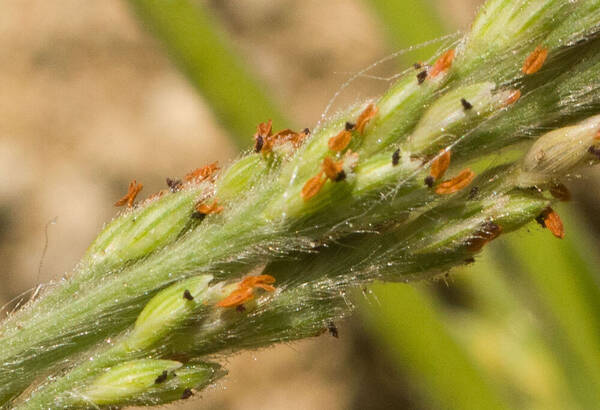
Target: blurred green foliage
(200,49)
(409,22)
(417,339)
(558,282)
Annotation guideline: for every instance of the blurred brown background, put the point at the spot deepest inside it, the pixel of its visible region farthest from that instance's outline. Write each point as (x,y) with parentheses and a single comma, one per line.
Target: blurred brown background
(89,101)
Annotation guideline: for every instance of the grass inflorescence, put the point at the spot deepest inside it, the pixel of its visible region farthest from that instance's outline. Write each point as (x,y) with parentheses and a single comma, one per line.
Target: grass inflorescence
(399,188)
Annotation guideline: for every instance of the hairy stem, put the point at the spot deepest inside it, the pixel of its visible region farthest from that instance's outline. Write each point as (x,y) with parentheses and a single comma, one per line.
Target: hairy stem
(396,189)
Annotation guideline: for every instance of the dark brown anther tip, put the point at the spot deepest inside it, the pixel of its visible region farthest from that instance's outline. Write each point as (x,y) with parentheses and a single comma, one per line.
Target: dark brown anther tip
(174,184)
(473,192)
(429,181)
(198,215)
(594,151)
(340,176)
(540,220)
(161,378)
(333,331)
(259,143)
(187,295)
(396,157)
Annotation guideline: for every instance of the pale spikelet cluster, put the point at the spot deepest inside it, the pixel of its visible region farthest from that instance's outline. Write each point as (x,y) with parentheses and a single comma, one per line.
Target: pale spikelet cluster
(396,189)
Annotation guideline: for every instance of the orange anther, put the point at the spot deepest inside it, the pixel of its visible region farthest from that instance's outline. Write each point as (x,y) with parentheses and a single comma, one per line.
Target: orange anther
(488,232)
(300,137)
(245,290)
(284,134)
(263,132)
(258,280)
(134,189)
(264,128)
(512,98)
(442,64)
(236,298)
(365,116)
(535,60)
(296,138)
(550,219)
(313,186)
(333,170)
(560,192)
(205,209)
(455,184)
(440,164)
(156,195)
(265,140)
(200,174)
(340,141)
